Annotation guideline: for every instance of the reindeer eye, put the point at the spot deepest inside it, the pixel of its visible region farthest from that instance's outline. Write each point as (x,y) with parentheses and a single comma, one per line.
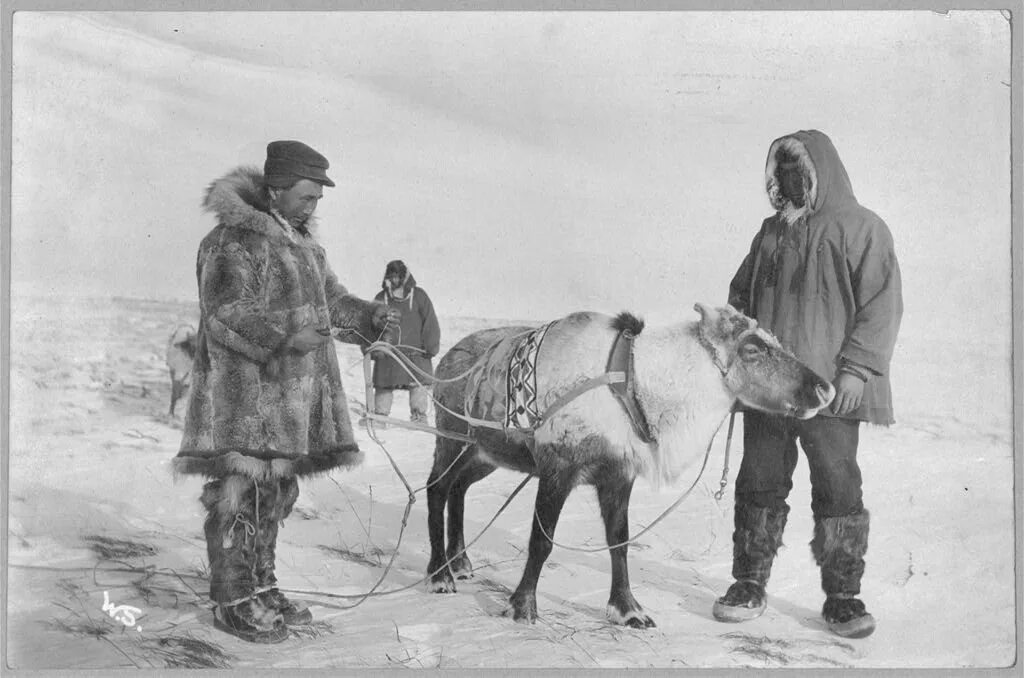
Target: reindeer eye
(751,350)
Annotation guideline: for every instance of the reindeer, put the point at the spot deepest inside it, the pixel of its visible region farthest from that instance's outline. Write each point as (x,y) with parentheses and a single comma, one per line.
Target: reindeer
(181,349)
(683,381)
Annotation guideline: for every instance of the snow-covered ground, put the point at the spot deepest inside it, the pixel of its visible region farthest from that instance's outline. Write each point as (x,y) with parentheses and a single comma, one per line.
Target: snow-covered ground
(89,469)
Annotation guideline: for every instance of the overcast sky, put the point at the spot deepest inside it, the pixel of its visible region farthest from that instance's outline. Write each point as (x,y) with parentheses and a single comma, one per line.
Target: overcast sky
(524,164)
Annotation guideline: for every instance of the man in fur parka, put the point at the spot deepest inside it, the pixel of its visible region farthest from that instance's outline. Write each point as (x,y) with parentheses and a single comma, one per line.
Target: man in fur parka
(822,276)
(267,404)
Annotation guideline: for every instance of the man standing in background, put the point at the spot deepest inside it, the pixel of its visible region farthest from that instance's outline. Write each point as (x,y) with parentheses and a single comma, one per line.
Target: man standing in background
(419,340)
(822,276)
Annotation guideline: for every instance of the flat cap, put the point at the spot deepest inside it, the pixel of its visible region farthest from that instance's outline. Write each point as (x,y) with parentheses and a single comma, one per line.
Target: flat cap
(288,161)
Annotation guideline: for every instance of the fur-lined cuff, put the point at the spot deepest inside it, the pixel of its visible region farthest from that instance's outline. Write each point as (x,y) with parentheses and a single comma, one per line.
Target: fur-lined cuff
(236,342)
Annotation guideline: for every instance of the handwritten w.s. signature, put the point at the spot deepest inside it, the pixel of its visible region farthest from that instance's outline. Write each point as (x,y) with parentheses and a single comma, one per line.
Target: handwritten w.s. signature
(122,613)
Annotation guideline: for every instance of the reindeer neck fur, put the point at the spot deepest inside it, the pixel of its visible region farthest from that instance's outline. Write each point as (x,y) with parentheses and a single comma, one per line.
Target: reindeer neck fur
(683,394)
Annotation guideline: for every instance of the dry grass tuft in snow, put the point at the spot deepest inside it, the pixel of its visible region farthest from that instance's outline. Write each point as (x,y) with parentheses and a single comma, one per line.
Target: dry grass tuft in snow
(317,629)
(778,652)
(367,555)
(109,548)
(79,626)
(186,652)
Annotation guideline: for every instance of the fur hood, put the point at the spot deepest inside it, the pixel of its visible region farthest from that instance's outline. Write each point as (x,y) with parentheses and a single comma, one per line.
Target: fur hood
(826,184)
(407,286)
(828,286)
(239,200)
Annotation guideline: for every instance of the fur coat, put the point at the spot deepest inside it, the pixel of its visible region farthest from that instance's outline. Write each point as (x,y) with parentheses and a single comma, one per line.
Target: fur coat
(256,408)
(824,277)
(419,330)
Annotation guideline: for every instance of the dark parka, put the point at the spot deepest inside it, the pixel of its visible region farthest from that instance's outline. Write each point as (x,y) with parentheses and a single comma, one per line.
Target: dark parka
(255,408)
(827,284)
(420,330)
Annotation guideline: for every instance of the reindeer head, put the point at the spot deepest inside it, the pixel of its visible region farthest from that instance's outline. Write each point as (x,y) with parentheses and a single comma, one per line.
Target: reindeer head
(757,370)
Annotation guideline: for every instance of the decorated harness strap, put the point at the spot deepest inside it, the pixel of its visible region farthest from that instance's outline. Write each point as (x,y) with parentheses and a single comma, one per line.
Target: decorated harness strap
(521,383)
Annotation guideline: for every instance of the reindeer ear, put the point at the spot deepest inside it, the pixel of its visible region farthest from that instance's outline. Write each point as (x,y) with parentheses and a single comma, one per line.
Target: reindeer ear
(710,320)
(707,314)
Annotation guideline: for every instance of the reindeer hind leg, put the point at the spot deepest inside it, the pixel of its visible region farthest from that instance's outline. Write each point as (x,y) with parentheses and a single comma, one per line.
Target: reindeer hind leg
(458,559)
(450,459)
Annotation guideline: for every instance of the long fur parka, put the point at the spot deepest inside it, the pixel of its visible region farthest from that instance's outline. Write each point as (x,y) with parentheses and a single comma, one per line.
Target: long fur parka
(256,408)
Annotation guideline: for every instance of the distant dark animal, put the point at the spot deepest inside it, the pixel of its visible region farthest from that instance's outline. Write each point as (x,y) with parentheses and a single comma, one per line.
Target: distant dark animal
(684,380)
(181,349)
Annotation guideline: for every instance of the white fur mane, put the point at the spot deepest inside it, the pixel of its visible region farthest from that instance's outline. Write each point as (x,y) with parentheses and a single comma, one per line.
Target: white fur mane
(683,395)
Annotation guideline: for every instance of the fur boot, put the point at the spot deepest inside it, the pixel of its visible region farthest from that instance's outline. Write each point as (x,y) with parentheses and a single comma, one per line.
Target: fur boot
(277,501)
(839,546)
(232,546)
(756,539)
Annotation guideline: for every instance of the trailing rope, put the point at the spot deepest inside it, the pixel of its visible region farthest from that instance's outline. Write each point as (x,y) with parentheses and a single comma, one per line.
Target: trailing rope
(657,520)
(373,593)
(406,363)
(725,468)
(564,400)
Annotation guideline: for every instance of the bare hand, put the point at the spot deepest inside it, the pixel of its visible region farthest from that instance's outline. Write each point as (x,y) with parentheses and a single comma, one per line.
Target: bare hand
(849,393)
(306,339)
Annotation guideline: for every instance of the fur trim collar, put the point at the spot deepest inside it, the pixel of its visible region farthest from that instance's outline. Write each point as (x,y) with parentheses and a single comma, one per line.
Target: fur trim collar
(786,209)
(238,200)
(407,287)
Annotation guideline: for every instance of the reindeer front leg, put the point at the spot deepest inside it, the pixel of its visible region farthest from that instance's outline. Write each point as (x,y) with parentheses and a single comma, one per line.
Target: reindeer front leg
(552,492)
(613,495)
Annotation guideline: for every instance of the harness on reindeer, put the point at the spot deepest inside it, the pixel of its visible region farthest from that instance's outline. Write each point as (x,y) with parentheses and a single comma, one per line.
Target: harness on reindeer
(511,363)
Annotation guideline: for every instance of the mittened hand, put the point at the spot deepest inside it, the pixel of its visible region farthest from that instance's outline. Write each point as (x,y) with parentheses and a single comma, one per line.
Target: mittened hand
(386,321)
(849,393)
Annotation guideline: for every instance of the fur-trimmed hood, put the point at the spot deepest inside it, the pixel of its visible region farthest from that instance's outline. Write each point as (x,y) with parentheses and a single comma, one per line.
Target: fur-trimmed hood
(419,331)
(827,285)
(826,183)
(239,200)
(407,286)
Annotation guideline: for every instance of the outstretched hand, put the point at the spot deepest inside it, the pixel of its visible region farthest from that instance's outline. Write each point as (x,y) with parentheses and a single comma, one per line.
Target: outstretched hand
(849,393)
(386,321)
(307,339)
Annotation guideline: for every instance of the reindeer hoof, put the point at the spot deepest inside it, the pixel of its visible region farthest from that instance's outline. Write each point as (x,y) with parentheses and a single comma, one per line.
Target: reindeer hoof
(634,618)
(461,568)
(524,608)
(641,622)
(442,585)
(524,618)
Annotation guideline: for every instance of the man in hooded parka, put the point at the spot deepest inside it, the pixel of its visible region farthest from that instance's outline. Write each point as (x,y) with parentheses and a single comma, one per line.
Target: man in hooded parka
(267,404)
(822,276)
(419,339)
